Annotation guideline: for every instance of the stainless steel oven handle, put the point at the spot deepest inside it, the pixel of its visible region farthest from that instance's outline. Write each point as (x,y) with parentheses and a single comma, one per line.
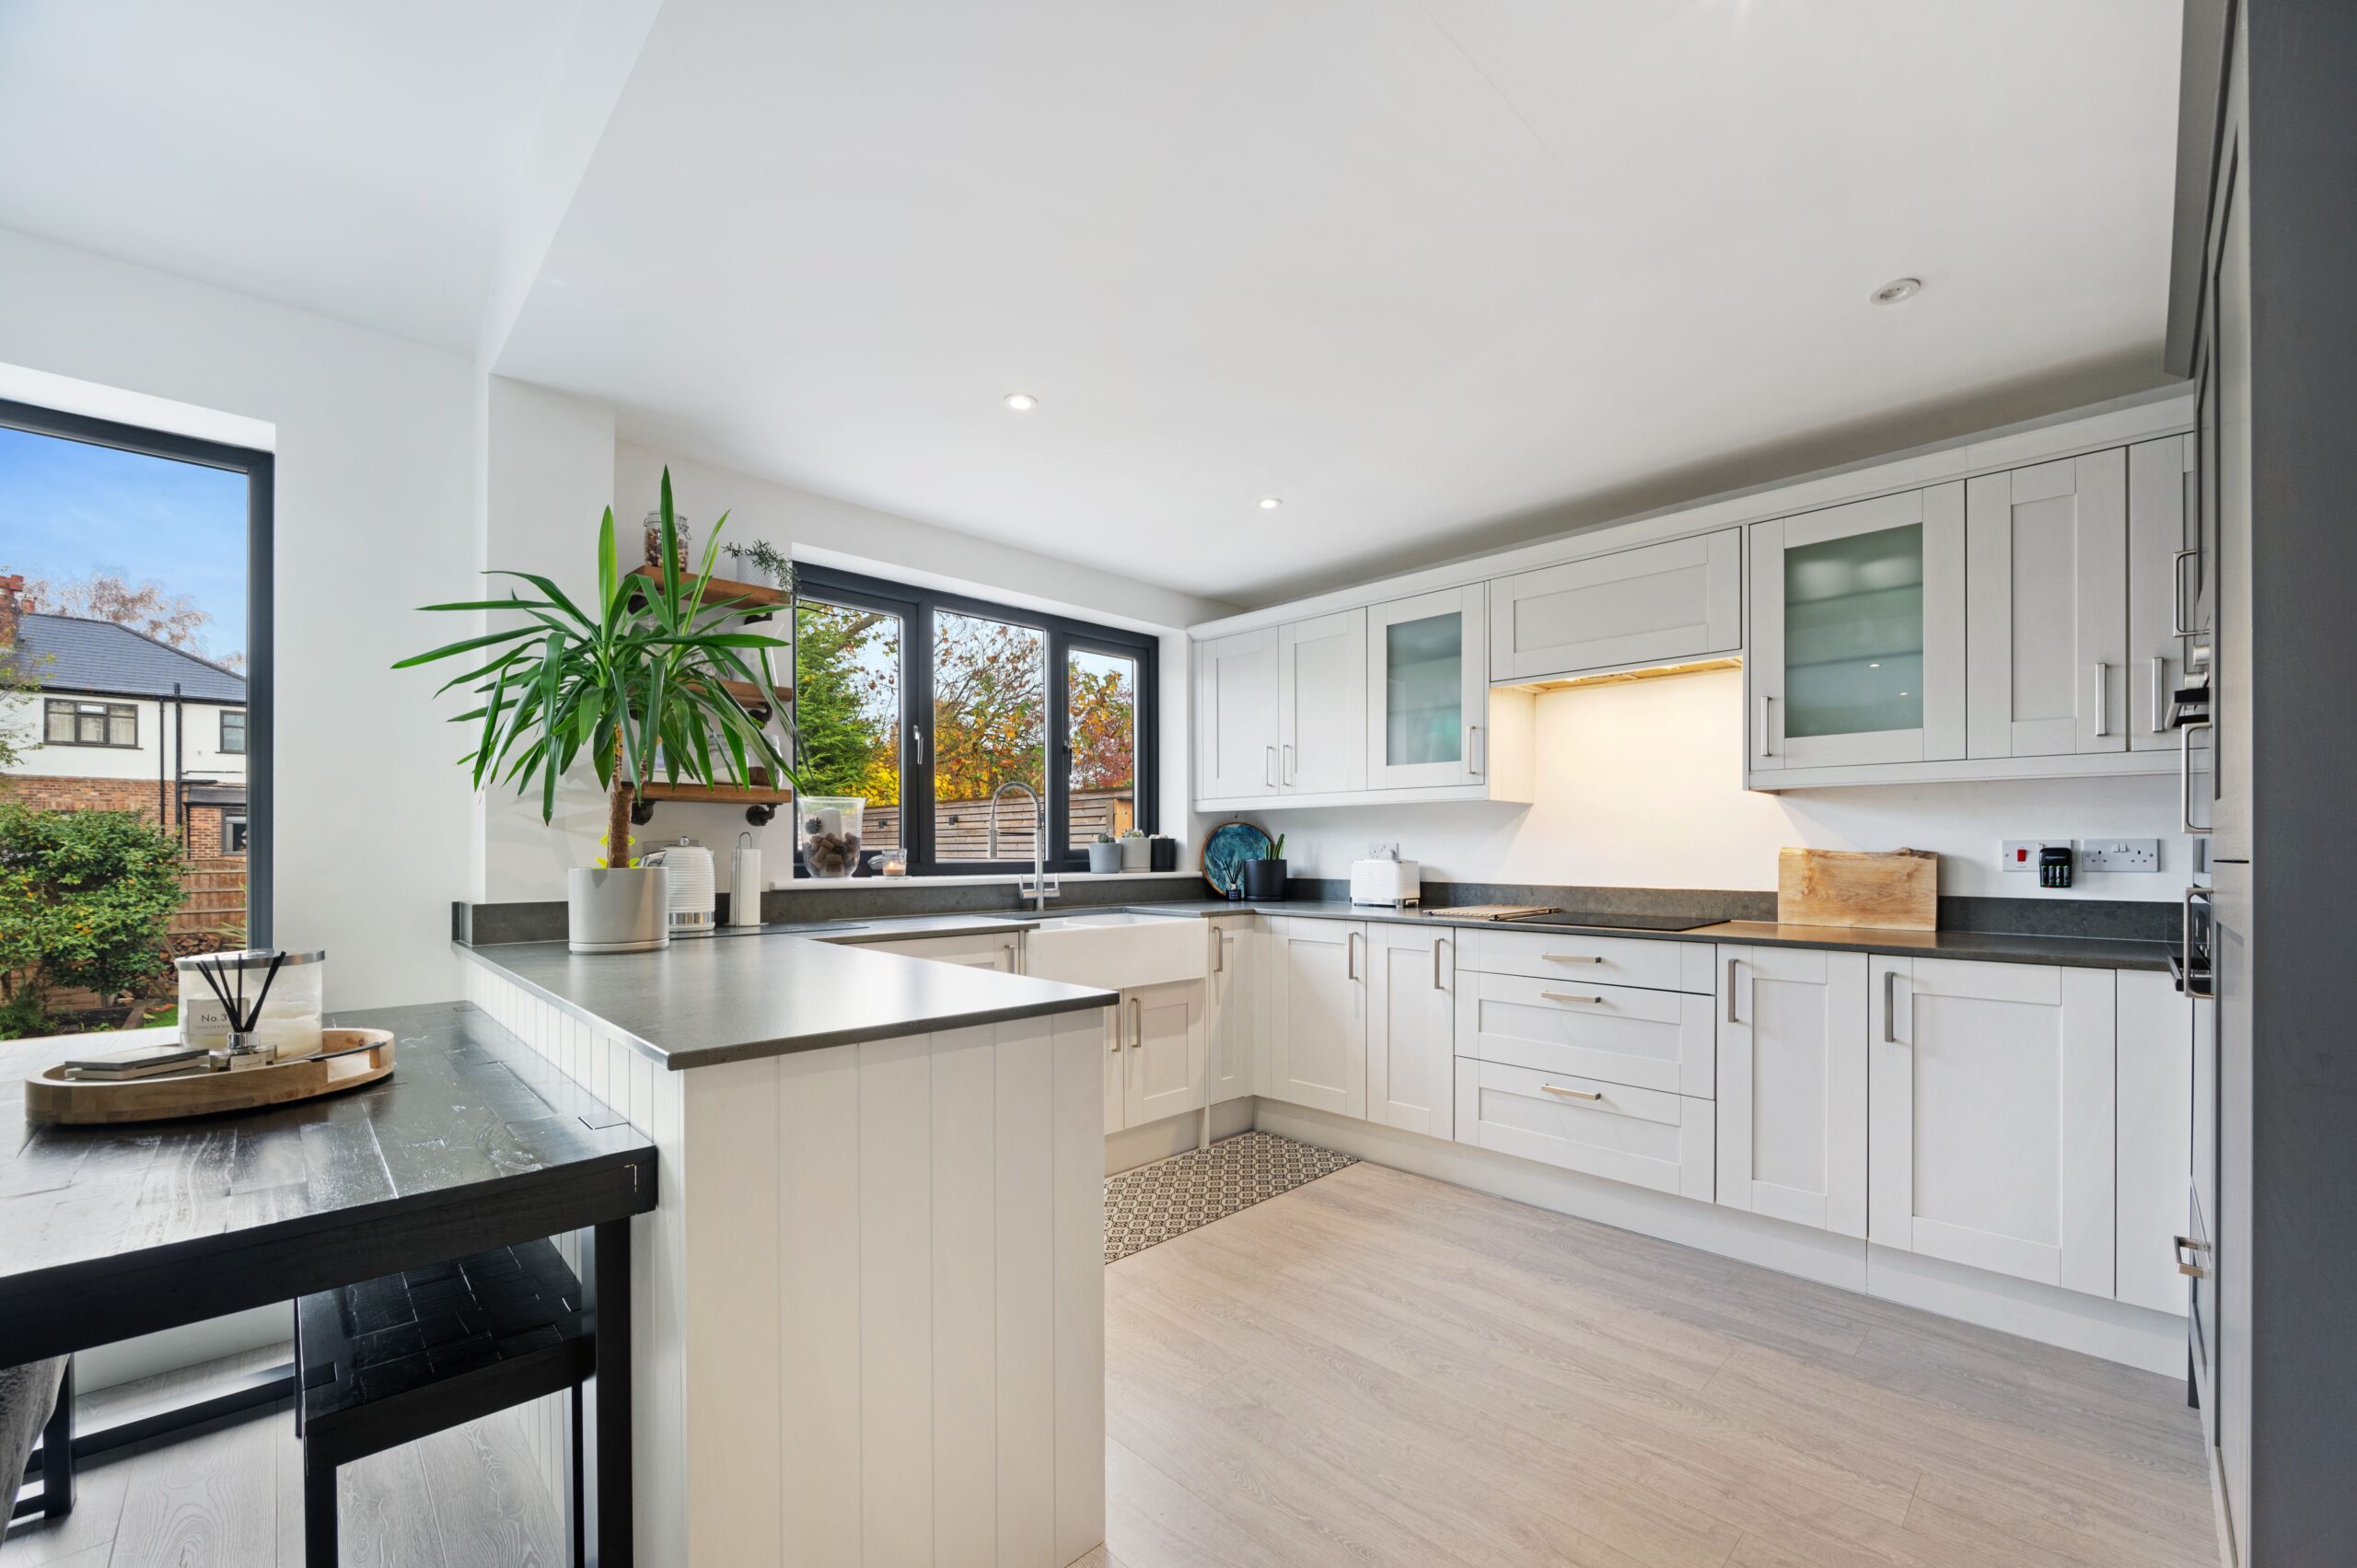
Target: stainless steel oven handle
(2185,947)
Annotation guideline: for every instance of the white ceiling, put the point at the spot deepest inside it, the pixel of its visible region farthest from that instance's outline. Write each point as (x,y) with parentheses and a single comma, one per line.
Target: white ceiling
(1439,273)
(1411,266)
(354,159)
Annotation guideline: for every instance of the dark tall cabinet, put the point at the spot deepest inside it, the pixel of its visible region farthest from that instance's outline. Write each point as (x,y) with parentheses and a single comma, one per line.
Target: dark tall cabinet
(2264,318)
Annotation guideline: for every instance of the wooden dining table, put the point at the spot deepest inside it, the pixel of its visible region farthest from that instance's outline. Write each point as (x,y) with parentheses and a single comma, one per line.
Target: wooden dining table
(473,1143)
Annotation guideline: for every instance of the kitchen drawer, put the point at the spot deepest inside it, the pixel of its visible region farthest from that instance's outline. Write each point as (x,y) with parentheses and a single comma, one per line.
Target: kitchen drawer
(1647,1039)
(1600,960)
(1640,1136)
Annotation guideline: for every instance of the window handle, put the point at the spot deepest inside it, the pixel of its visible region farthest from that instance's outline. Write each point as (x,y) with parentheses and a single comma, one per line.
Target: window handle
(916,733)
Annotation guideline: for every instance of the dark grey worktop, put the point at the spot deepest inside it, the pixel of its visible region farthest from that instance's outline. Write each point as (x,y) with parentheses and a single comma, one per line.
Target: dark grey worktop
(1991,946)
(704,1000)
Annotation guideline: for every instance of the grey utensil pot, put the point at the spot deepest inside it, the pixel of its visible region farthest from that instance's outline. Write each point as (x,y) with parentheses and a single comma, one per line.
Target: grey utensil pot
(625,910)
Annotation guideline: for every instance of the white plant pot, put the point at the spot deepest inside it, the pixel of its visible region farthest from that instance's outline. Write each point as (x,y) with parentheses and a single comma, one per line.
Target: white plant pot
(626,910)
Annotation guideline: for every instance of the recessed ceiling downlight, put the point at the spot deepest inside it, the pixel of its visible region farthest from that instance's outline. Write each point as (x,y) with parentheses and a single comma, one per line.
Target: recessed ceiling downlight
(1896,290)
(1271,503)
(1021,402)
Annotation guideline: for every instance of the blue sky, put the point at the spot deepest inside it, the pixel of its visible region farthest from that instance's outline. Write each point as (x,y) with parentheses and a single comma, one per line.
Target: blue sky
(68,509)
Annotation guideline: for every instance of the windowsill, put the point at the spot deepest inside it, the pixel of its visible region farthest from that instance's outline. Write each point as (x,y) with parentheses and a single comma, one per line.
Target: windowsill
(847,884)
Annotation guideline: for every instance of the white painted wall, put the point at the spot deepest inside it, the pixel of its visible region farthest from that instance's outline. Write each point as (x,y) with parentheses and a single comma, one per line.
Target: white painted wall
(376,513)
(1641,786)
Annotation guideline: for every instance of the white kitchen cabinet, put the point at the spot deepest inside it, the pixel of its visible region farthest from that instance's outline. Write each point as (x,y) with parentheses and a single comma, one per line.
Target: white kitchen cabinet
(1791,1085)
(1652,1039)
(1411,975)
(980,950)
(1166,1045)
(2045,578)
(1426,698)
(1858,633)
(2161,590)
(1657,604)
(1989,1120)
(1640,1136)
(1317,1014)
(1321,704)
(2154,1077)
(1238,1005)
(1235,715)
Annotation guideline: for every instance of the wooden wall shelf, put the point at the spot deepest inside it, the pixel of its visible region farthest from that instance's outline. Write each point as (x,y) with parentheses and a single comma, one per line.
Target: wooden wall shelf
(760,800)
(723,591)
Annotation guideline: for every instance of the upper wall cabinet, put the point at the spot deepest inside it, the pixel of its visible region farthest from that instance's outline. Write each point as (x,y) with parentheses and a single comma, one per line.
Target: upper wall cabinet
(1322,703)
(2046,577)
(1388,704)
(1857,633)
(1657,604)
(2162,547)
(1425,691)
(1235,715)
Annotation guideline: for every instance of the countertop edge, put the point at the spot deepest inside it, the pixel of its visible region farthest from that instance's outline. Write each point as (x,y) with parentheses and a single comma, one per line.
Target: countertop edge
(785,1045)
(1984,946)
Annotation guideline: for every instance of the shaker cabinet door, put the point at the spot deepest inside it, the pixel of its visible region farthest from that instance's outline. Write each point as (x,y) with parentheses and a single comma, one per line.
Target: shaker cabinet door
(1791,1125)
(2046,569)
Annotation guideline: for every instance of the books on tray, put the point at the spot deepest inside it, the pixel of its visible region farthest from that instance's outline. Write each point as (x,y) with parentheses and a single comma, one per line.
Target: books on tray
(137,1061)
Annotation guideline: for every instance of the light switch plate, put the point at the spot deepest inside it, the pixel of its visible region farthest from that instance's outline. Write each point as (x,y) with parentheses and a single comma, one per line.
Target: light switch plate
(2119,854)
(2021,854)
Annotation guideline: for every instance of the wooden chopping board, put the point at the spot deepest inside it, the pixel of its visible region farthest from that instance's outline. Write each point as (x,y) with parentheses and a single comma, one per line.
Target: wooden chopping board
(1894,890)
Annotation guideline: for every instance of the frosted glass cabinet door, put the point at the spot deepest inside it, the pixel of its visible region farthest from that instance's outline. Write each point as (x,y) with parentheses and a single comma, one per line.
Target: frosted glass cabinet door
(1427,691)
(1857,617)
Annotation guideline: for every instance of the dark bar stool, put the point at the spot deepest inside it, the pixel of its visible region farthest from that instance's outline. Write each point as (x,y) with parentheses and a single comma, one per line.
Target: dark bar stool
(389,1360)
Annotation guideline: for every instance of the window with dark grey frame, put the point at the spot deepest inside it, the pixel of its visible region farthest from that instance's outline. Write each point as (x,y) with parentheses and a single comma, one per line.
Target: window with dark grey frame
(233,732)
(261,471)
(916,609)
(233,835)
(67,722)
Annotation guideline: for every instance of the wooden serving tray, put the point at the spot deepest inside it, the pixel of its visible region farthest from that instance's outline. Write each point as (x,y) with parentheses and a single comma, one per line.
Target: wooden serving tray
(347,1059)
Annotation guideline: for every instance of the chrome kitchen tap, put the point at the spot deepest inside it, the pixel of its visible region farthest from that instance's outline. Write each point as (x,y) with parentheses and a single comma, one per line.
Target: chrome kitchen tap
(1039,841)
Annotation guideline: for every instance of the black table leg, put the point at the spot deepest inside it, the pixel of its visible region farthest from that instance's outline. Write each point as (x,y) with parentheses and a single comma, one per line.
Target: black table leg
(57,1452)
(319,1513)
(604,1457)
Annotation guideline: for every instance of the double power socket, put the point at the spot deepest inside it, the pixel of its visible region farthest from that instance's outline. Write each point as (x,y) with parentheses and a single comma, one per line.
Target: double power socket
(2089,855)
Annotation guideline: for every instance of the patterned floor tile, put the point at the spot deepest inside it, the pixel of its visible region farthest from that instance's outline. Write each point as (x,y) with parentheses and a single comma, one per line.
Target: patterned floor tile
(1171,1197)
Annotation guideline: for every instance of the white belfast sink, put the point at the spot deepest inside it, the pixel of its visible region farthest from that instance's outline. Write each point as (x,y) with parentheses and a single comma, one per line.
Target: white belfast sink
(1116,950)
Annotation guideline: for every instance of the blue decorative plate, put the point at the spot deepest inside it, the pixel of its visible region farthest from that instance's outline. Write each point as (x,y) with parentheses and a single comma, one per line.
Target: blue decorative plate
(1226,851)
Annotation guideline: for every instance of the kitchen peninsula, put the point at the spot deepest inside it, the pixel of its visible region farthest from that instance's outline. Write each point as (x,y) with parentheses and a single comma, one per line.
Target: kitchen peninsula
(870,1315)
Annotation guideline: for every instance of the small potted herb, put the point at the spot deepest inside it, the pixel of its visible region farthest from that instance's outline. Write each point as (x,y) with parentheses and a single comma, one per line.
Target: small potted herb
(1136,853)
(1264,879)
(762,563)
(1104,856)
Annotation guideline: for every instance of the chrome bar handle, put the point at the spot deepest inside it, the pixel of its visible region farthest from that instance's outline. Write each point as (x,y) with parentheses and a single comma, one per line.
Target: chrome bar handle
(1474,748)
(2185,775)
(1220,939)
(1767,729)
(1287,750)
(1437,984)
(1891,1008)
(1572,957)
(2103,701)
(2178,628)
(1268,767)
(2185,946)
(1731,963)
(1566,996)
(1572,1094)
(2160,695)
(1137,1023)
(1349,954)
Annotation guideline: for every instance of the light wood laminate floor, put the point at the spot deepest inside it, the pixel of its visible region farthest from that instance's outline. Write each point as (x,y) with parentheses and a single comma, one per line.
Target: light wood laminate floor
(232,1497)
(1381,1369)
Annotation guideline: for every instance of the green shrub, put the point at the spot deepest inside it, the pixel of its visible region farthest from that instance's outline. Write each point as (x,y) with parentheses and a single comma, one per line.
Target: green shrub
(85,902)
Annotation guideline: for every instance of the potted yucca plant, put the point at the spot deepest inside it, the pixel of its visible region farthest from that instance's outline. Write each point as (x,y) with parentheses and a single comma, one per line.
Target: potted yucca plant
(634,685)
